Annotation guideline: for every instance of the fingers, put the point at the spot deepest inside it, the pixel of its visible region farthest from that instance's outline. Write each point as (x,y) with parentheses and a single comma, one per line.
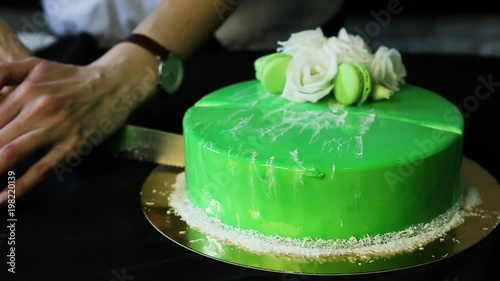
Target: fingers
(6,90)
(13,128)
(13,151)
(13,73)
(9,109)
(40,169)
(3,196)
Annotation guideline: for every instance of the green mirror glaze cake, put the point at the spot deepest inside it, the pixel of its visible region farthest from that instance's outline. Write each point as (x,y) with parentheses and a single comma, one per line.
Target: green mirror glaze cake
(323,170)
(301,164)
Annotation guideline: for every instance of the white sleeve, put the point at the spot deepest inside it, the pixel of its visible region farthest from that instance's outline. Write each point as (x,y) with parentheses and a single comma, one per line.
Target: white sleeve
(109,21)
(256,24)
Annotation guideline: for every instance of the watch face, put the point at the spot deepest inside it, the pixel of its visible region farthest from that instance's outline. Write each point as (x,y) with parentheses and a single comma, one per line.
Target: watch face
(171,73)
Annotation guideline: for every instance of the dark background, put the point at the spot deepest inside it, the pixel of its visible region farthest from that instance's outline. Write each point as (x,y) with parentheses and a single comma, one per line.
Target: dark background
(419,7)
(92,225)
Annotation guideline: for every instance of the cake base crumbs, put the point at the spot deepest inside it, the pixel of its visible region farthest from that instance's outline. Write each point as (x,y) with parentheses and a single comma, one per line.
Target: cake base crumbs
(410,239)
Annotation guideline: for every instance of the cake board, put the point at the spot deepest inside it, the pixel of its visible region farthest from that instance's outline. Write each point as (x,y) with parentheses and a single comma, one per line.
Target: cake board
(158,187)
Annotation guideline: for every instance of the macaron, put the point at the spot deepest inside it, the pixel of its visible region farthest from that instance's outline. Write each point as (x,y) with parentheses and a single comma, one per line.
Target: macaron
(352,84)
(271,71)
(259,66)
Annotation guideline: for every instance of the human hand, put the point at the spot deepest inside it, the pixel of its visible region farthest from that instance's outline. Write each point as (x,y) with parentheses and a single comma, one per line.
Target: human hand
(57,107)
(11,47)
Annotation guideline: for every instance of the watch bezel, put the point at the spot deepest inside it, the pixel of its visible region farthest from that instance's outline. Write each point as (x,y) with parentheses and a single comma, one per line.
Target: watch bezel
(171,73)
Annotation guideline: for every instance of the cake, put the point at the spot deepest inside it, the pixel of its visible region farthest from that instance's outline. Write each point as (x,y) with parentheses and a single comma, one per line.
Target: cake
(314,149)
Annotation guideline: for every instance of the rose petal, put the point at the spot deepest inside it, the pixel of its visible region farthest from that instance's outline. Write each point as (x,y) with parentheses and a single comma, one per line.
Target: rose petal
(295,95)
(387,68)
(310,75)
(303,39)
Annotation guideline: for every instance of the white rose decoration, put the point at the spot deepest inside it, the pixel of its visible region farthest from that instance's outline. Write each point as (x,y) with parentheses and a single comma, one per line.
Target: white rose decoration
(387,68)
(303,40)
(309,76)
(349,48)
(354,41)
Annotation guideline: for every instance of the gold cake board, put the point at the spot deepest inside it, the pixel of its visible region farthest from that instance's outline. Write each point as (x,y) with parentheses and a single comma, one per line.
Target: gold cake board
(158,187)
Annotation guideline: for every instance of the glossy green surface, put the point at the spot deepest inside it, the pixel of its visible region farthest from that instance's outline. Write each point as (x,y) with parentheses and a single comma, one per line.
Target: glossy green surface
(322,170)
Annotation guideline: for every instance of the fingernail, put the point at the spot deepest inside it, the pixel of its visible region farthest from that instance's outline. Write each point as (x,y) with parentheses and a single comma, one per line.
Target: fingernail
(3,197)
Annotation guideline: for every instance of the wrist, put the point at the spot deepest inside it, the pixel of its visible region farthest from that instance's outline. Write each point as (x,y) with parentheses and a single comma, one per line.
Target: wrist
(170,68)
(135,69)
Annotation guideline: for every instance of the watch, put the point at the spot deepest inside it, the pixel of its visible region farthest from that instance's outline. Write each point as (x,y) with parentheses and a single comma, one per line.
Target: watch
(170,67)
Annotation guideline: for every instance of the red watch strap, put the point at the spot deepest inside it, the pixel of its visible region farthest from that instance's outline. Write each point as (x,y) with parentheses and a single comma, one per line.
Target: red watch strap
(149,44)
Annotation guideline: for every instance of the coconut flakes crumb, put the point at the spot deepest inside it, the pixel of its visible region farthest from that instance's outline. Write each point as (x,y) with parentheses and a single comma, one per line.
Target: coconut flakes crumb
(409,239)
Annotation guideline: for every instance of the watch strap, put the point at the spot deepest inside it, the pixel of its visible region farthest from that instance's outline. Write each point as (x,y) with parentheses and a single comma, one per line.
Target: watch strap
(149,44)
(170,68)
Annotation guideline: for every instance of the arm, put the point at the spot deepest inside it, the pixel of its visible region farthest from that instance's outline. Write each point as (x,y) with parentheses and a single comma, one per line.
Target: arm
(11,48)
(59,107)
(180,26)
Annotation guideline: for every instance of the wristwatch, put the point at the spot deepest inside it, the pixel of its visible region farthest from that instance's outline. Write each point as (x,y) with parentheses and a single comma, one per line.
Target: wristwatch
(170,67)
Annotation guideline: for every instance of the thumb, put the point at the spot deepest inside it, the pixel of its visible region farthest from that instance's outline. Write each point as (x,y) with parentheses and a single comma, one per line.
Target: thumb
(14,73)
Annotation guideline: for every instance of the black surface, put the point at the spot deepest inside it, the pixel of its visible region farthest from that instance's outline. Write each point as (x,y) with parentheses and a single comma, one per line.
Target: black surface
(90,225)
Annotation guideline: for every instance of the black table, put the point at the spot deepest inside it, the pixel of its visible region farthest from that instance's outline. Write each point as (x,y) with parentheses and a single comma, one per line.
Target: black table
(89,224)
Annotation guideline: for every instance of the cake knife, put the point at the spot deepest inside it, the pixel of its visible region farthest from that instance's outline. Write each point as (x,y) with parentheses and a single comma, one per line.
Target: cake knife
(150,145)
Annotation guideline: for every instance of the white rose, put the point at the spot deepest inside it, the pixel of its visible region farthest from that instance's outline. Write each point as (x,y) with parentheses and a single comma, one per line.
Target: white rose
(354,41)
(387,68)
(349,48)
(309,76)
(302,40)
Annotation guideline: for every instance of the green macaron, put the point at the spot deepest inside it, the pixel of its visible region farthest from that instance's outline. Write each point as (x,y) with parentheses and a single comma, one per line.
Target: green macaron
(271,71)
(352,84)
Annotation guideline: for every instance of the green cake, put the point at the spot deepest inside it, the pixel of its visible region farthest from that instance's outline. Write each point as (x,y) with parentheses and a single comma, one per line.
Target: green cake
(300,164)
(324,170)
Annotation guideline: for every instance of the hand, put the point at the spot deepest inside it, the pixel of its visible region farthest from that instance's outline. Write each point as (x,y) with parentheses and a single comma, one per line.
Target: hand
(59,107)
(11,47)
